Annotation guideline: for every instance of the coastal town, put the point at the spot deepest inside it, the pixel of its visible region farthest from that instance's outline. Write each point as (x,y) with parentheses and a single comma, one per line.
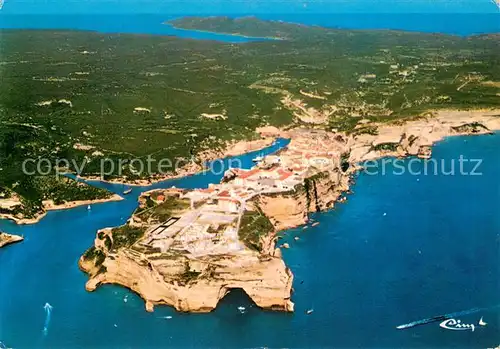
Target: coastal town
(221,207)
(218,238)
(189,248)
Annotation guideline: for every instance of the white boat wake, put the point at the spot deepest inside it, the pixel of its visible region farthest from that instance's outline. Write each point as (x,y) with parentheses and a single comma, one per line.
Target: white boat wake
(48,314)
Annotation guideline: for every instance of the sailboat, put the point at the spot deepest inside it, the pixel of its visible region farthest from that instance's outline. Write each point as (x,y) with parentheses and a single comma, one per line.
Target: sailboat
(482,323)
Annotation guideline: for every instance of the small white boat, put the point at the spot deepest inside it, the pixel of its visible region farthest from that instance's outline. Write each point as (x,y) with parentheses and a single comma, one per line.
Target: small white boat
(258,159)
(241,308)
(309,312)
(128,191)
(482,323)
(89,207)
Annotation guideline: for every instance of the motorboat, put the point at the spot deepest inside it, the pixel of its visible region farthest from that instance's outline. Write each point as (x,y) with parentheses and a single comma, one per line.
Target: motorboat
(258,158)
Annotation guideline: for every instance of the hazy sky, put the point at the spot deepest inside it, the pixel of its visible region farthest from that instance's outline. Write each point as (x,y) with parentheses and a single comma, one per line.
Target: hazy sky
(248,6)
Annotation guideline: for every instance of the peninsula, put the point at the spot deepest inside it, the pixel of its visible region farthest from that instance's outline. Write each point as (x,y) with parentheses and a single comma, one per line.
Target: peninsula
(7,239)
(189,248)
(72,95)
(65,194)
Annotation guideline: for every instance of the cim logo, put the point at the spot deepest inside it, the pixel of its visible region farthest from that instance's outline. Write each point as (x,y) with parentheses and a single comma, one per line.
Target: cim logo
(457,325)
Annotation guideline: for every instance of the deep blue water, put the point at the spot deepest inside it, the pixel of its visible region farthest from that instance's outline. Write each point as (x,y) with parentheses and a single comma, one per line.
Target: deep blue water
(435,251)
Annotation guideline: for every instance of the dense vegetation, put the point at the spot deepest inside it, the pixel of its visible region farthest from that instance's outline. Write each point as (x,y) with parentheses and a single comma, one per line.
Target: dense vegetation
(87,96)
(19,142)
(161,212)
(254,226)
(386,147)
(473,127)
(96,255)
(125,236)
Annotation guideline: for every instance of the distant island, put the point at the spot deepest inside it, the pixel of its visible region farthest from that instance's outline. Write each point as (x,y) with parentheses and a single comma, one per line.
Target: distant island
(252,27)
(87,96)
(189,248)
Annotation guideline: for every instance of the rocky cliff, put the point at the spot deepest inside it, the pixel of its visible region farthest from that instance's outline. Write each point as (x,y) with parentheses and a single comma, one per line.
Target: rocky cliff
(196,285)
(192,268)
(193,273)
(319,192)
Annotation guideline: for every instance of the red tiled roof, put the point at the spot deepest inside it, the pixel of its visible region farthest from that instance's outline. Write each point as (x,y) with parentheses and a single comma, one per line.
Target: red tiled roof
(229,199)
(285,176)
(246,174)
(225,193)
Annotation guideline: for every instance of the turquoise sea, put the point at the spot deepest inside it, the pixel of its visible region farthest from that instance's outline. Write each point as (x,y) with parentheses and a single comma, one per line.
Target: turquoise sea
(402,248)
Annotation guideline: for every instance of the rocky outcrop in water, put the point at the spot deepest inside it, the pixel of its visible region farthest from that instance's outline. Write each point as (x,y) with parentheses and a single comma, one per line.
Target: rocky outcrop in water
(7,239)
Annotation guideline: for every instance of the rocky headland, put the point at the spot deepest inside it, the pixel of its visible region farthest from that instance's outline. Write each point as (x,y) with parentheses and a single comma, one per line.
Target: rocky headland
(10,208)
(187,256)
(7,239)
(189,248)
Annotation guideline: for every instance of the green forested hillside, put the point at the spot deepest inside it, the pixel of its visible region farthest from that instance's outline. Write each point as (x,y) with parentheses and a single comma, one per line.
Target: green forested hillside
(85,95)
